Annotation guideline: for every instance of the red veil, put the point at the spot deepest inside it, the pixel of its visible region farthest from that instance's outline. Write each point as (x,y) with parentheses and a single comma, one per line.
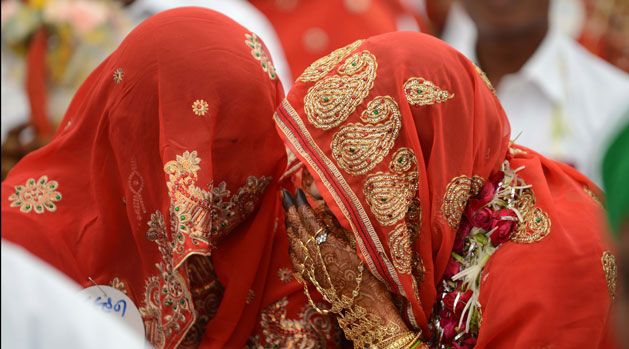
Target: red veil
(168,147)
(397,130)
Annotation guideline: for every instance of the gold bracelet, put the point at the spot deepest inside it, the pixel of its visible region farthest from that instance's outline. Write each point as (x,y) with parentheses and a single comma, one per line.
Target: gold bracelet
(399,341)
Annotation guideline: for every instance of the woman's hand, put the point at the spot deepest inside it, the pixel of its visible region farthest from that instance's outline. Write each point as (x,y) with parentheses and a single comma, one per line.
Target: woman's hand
(325,258)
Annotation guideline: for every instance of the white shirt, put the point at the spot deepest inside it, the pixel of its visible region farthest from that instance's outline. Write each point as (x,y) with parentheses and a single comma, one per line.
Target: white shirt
(564,103)
(240,11)
(41,308)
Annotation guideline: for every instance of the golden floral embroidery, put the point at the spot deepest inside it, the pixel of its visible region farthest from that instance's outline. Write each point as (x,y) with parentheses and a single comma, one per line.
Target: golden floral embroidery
(167,302)
(458,192)
(136,184)
(310,331)
(389,195)
(420,91)
(401,249)
(200,107)
(593,195)
(485,79)
(534,224)
(36,195)
(258,52)
(331,100)
(324,65)
(285,275)
(119,285)
(118,75)
(611,274)
(206,215)
(358,148)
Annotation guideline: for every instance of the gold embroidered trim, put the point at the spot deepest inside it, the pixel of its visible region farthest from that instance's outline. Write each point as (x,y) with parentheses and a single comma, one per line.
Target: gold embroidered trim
(389,195)
(534,224)
(401,249)
(420,91)
(485,79)
(594,197)
(200,107)
(118,75)
(331,100)
(458,192)
(37,196)
(324,65)
(258,52)
(611,273)
(167,302)
(358,148)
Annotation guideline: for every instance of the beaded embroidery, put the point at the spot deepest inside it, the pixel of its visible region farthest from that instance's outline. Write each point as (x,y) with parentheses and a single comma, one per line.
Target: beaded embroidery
(400,244)
(389,195)
(535,223)
(485,79)
(324,65)
(358,148)
(118,75)
(37,196)
(611,274)
(458,191)
(330,101)
(200,107)
(258,52)
(420,91)
(285,275)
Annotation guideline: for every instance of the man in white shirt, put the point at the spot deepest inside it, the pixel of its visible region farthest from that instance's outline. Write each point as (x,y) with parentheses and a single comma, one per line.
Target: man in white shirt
(561,100)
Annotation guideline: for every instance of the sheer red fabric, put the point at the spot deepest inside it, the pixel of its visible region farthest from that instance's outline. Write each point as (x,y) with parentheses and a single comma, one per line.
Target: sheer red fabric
(167,151)
(397,130)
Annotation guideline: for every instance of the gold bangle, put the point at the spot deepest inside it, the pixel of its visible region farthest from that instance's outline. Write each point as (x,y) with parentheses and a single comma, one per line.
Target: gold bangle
(400,341)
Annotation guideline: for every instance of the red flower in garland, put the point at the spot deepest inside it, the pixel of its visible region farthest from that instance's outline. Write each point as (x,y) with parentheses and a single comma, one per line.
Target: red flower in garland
(451,303)
(504,221)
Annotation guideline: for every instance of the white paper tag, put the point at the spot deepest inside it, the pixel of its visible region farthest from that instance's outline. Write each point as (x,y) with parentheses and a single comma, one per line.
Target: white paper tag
(116,304)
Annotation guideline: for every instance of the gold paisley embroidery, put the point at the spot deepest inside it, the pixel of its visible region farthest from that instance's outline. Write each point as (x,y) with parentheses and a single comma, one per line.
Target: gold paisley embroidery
(331,100)
(534,224)
(206,215)
(401,249)
(420,91)
(611,274)
(485,79)
(38,196)
(358,148)
(310,331)
(324,65)
(258,52)
(458,192)
(390,194)
(167,301)
(199,107)
(118,75)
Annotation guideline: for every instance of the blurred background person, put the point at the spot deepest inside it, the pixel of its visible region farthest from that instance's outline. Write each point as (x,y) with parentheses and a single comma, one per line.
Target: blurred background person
(565,101)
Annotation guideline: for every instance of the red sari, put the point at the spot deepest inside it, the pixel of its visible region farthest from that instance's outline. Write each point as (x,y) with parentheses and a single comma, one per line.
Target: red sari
(399,131)
(163,179)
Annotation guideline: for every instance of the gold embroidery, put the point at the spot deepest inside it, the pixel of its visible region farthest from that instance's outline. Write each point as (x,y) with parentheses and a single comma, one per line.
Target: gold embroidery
(331,100)
(389,195)
(358,148)
(401,248)
(534,224)
(258,52)
(420,91)
(118,75)
(119,285)
(136,184)
(310,331)
(205,216)
(457,193)
(485,79)
(199,107)
(593,196)
(285,275)
(611,274)
(167,302)
(324,65)
(515,150)
(37,196)
(250,296)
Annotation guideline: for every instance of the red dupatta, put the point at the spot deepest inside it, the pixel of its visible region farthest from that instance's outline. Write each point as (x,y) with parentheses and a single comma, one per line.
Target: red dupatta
(400,131)
(167,149)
